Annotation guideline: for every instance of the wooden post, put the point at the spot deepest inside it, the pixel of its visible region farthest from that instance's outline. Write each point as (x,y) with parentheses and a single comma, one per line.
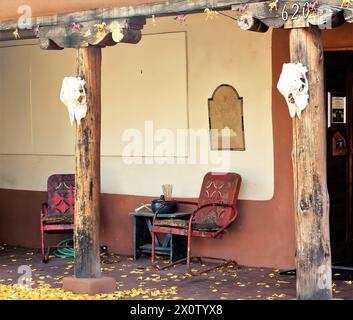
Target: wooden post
(311,201)
(87,196)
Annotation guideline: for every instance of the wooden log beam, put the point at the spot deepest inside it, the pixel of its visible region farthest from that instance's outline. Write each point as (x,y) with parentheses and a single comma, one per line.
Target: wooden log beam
(249,23)
(311,201)
(47,44)
(23,35)
(146,10)
(87,195)
(348,15)
(290,14)
(330,18)
(258,9)
(66,36)
(93,33)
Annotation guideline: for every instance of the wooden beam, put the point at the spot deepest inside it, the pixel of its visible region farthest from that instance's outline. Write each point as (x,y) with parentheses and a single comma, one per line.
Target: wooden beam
(87,195)
(65,36)
(249,23)
(290,14)
(348,15)
(24,35)
(311,201)
(47,44)
(93,33)
(258,10)
(147,10)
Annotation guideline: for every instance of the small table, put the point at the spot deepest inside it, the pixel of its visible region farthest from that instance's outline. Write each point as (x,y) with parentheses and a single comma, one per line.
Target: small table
(174,246)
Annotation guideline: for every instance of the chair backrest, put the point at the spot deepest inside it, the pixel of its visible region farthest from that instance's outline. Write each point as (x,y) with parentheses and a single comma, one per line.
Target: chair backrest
(218,188)
(61,194)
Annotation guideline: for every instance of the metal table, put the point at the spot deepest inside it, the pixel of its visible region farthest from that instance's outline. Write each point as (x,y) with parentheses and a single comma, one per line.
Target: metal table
(174,246)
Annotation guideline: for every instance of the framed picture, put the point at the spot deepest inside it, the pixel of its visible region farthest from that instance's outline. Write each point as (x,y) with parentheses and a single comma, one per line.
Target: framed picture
(337,108)
(226,119)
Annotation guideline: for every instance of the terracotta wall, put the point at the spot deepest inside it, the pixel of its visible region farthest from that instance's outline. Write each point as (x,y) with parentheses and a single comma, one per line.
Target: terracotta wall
(341,37)
(262,236)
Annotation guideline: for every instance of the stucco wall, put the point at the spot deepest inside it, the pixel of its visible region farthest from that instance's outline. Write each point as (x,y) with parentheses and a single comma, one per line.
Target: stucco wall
(217,52)
(166,79)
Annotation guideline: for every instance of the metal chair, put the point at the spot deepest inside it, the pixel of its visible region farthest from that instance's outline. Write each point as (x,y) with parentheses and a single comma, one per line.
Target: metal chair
(57,215)
(215,212)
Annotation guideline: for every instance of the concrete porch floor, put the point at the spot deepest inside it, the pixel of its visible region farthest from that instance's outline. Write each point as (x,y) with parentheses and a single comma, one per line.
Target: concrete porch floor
(137,280)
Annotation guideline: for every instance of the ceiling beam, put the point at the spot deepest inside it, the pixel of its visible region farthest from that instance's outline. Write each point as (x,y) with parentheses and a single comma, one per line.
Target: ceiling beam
(92,33)
(146,10)
(252,15)
(292,14)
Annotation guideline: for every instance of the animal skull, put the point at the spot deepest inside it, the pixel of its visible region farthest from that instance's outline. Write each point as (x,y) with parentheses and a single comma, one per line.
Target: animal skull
(73,95)
(293,85)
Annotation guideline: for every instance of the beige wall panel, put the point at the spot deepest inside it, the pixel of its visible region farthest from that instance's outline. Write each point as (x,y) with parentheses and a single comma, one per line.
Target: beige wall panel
(218,52)
(143,82)
(28,172)
(52,131)
(15,107)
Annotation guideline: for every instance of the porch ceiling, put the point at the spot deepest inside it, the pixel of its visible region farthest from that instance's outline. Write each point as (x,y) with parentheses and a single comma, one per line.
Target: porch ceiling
(254,15)
(8,8)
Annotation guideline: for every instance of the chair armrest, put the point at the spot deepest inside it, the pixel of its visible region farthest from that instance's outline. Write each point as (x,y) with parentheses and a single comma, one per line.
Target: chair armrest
(183,202)
(44,209)
(157,213)
(179,202)
(224,205)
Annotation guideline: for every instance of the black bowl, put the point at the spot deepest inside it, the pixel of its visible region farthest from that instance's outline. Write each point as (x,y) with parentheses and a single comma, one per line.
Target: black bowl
(168,206)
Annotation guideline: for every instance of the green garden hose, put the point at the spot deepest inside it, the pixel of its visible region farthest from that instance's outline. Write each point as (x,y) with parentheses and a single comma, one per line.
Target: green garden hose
(65,252)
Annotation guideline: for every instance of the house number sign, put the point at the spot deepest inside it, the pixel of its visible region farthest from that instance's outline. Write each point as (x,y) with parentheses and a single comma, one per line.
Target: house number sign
(296,11)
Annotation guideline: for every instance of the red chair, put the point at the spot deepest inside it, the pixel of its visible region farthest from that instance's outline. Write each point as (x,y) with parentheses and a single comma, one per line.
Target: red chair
(215,212)
(57,215)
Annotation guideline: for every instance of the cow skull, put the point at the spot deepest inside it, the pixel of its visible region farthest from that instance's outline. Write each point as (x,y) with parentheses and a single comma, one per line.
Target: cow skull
(73,95)
(293,85)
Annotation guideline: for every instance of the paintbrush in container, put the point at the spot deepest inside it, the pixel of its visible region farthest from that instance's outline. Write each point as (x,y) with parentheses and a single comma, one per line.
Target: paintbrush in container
(167,191)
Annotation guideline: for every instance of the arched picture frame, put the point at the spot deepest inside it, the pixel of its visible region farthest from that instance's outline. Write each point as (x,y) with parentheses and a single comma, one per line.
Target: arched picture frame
(226,119)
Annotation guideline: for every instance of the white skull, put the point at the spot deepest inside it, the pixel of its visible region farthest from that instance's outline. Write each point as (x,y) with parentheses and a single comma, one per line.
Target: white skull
(73,95)
(293,85)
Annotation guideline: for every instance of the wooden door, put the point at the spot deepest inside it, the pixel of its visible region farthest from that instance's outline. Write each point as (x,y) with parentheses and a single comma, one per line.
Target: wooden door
(339,86)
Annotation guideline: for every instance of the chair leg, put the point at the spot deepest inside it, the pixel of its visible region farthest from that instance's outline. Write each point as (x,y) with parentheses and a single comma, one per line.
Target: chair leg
(153,257)
(188,253)
(153,248)
(44,257)
(223,263)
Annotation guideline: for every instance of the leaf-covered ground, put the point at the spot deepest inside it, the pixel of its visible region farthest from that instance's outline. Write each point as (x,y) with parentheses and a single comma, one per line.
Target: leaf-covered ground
(138,280)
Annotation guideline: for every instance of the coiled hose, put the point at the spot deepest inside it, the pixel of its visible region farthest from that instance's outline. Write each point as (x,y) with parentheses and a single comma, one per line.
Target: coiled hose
(65,252)
(106,258)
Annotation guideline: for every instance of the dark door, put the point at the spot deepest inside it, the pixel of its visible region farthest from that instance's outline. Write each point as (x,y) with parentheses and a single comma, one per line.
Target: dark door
(339,89)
